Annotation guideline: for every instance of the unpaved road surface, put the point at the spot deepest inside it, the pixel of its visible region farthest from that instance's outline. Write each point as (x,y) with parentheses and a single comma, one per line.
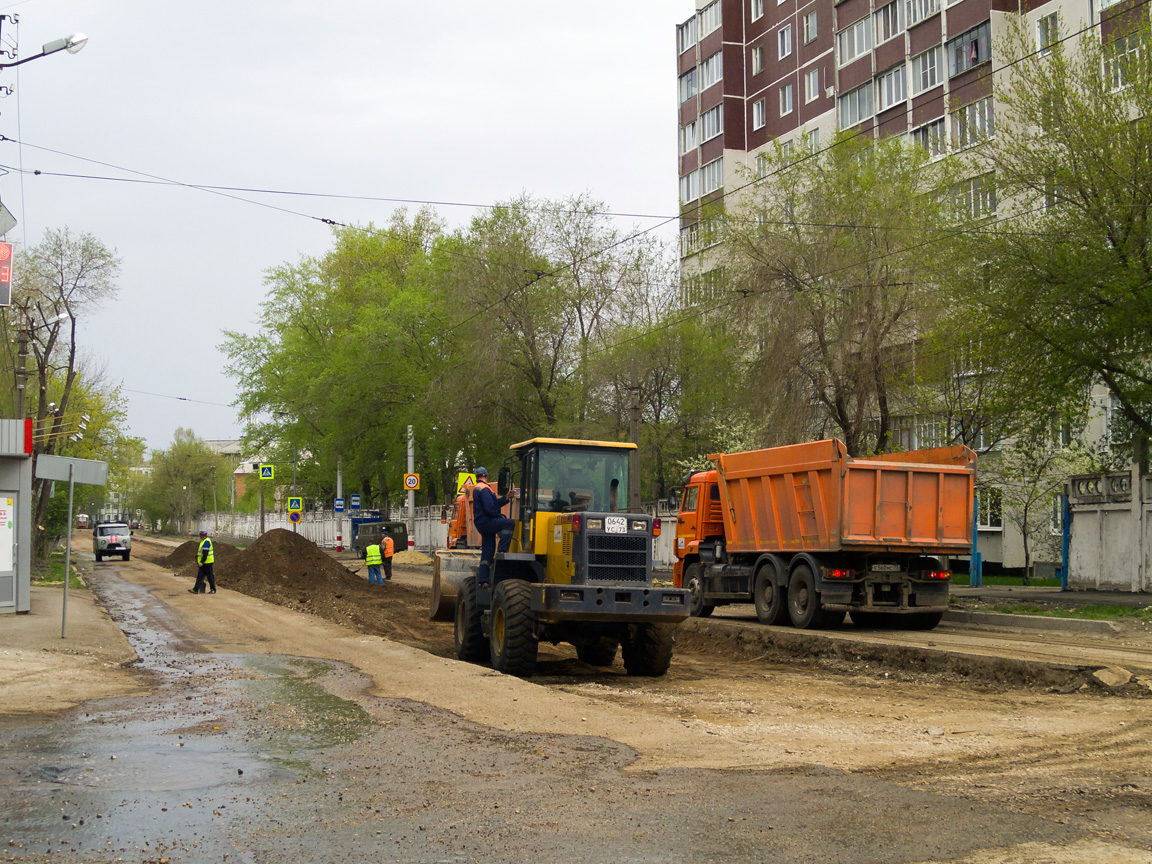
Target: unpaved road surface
(264,732)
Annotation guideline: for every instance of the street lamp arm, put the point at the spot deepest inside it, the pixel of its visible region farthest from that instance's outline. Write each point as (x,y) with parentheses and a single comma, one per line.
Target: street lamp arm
(72,44)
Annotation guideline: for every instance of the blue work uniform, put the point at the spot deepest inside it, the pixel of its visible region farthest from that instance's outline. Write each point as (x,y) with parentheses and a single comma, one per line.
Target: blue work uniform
(490,522)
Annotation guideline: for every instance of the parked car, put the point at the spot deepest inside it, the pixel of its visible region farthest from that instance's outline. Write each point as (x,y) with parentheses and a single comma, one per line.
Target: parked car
(112,538)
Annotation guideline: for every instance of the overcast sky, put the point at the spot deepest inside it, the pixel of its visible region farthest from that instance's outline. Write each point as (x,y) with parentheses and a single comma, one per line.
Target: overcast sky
(439,100)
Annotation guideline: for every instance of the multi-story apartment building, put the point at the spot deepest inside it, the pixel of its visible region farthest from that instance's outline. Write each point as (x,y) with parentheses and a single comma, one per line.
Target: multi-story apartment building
(753,73)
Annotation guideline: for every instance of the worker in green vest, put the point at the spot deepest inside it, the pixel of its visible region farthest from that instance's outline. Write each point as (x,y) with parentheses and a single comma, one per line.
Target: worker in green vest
(373,559)
(204,558)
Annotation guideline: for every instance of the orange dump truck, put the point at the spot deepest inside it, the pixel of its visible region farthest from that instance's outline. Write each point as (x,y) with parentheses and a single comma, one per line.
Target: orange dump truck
(808,533)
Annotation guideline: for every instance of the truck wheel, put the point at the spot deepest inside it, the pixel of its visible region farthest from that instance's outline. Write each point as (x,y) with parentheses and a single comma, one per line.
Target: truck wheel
(693,584)
(922,620)
(879,620)
(770,599)
(513,635)
(126,554)
(99,557)
(803,601)
(468,635)
(648,649)
(597,652)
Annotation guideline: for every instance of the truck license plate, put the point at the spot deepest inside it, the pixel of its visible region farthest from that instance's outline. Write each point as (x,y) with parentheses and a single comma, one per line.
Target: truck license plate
(615,525)
(885,568)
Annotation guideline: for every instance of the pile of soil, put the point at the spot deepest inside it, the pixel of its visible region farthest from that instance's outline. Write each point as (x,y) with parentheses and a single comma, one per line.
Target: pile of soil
(411,556)
(284,568)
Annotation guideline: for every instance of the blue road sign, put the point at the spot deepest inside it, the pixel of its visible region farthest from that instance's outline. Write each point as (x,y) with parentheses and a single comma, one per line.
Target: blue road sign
(266,472)
(355,502)
(294,516)
(339,508)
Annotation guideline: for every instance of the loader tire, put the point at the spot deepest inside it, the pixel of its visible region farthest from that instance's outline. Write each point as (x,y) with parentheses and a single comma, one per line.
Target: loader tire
(468,634)
(597,652)
(694,585)
(513,635)
(648,649)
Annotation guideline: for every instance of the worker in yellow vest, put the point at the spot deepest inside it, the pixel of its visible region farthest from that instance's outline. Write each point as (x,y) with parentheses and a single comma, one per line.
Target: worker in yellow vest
(389,551)
(204,558)
(372,559)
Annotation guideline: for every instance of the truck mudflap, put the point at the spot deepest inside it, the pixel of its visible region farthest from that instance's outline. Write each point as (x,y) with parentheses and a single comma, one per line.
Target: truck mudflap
(609,603)
(913,597)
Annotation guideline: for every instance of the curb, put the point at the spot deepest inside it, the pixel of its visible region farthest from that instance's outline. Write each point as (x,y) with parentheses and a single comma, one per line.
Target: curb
(1036,622)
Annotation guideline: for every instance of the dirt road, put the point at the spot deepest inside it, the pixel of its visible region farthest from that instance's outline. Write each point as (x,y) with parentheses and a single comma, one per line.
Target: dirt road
(986,772)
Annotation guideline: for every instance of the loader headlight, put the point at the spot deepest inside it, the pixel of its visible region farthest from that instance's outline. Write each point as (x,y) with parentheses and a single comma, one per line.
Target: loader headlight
(595,524)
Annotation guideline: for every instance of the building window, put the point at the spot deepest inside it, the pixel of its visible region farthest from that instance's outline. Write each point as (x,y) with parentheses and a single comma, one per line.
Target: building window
(1048,32)
(784,38)
(757,9)
(703,288)
(785,99)
(809,27)
(972,123)
(711,123)
(759,114)
(930,137)
(711,71)
(968,50)
(689,239)
(757,59)
(709,19)
(856,106)
(893,87)
(686,33)
(690,187)
(814,140)
(890,21)
(976,198)
(853,41)
(688,139)
(989,514)
(918,10)
(712,176)
(1119,57)
(926,70)
(811,85)
(687,85)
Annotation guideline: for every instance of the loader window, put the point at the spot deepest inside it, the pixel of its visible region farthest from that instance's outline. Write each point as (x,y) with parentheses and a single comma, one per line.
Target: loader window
(573,480)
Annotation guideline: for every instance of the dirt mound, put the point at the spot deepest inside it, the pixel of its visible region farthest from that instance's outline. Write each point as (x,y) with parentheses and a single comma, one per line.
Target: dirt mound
(185,554)
(284,568)
(411,556)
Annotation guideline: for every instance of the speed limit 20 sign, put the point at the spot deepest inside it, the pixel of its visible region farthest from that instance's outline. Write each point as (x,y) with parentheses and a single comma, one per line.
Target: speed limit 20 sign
(412,481)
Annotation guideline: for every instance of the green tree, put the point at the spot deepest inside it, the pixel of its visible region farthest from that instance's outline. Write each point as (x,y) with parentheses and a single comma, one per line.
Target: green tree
(837,256)
(183,480)
(1064,284)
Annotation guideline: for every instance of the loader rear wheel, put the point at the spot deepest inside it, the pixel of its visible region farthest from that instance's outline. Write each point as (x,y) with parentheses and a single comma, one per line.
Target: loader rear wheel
(770,598)
(468,634)
(648,649)
(513,639)
(597,652)
(804,606)
(694,585)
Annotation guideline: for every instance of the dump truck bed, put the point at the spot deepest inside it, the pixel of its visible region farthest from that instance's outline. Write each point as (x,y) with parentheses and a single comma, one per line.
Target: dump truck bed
(814,497)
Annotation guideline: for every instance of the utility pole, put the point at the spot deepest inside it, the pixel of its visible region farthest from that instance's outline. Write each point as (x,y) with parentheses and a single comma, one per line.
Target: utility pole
(411,492)
(22,337)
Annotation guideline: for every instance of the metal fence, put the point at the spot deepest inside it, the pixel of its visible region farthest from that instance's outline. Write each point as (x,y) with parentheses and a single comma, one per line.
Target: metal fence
(329,529)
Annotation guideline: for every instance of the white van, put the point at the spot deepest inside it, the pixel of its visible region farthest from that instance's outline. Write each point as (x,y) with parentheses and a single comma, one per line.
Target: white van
(112,538)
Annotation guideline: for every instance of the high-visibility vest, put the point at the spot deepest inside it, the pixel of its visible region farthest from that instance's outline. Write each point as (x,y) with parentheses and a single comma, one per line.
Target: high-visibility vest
(389,547)
(372,554)
(206,556)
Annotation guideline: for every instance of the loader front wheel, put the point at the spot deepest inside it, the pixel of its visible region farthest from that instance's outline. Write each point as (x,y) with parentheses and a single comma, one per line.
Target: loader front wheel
(514,641)
(648,649)
(468,634)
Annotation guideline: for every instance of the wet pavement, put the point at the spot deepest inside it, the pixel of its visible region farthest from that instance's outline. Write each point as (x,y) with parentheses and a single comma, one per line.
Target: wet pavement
(259,758)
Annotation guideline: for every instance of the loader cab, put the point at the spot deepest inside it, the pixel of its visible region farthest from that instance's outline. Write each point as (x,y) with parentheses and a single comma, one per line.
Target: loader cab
(558,476)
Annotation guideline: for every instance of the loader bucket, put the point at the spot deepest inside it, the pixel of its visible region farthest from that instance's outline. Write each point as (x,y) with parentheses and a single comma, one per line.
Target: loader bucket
(449,570)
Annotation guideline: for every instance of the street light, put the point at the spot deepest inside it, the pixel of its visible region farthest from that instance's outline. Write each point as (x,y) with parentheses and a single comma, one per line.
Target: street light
(72,44)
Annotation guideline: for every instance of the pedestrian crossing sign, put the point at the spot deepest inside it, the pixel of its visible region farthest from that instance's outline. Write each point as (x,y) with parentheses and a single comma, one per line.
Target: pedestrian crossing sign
(266,472)
(295,505)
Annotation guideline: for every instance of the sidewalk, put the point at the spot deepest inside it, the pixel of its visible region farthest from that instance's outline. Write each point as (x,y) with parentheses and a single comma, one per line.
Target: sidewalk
(42,672)
(1033,594)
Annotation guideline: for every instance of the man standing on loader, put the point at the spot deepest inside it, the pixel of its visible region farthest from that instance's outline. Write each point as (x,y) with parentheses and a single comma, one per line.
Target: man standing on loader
(489,522)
